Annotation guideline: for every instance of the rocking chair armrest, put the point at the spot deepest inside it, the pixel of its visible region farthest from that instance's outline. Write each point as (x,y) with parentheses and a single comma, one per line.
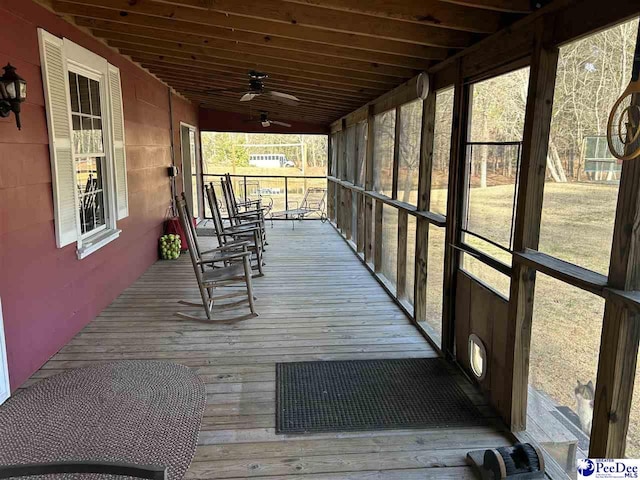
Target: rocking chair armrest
(225,258)
(239,231)
(249,202)
(225,247)
(238,243)
(245,224)
(249,214)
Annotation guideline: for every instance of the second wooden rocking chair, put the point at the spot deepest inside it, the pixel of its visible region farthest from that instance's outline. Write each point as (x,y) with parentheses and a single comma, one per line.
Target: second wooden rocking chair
(250,233)
(229,266)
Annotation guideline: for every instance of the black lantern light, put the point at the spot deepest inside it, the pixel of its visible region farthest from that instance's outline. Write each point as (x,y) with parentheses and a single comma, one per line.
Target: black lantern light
(13,91)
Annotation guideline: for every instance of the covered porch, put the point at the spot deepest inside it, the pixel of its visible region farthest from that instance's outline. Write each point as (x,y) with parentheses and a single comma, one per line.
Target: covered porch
(318,302)
(480,206)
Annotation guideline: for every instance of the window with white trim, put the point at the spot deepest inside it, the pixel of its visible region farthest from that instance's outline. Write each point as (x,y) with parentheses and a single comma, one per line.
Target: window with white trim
(83,98)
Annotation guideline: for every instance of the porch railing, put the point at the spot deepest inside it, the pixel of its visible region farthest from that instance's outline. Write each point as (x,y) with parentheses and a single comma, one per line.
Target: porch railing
(281,192)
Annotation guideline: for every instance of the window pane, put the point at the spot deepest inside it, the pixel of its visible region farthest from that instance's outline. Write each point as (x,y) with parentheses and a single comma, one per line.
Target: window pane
(435,279)
(565,343)
(89,175)
(85,97)
(497,109)
(441,151)
(354,217)
(389,268)
(410,133)
(493,155)
(73,92)
(342,155)
(334,154)
(97,136)
(86,146)
(582,179)
(77,133)
(350,162)
(491,205)
(486,274)
(411,257)
(384,131)
(361,138)
(371,234)
(95,98)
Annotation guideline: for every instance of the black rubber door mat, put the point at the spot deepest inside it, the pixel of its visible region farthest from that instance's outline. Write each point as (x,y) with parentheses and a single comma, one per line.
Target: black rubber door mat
(358,395)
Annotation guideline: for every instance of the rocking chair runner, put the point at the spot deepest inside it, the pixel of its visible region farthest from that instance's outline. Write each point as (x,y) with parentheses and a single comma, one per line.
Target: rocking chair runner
(233,268)
(249,234)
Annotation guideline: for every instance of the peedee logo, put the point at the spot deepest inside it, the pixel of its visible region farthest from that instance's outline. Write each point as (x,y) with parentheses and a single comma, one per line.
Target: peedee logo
(586,467)
(608,468)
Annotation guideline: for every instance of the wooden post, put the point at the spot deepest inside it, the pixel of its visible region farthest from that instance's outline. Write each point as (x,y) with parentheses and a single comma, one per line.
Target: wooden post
(621,327)
(396,153)
(348,210)
(533,162)
(424,200)
(360,235)
(338,148)
(401,272)
(368,186)
(330,185)
(455,207)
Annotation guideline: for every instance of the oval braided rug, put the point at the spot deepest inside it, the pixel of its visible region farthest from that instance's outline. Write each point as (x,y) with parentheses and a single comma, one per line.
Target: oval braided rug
(141,412)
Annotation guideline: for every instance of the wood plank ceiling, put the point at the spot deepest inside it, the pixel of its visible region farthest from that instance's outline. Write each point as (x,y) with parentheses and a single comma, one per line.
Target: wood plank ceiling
(335,55)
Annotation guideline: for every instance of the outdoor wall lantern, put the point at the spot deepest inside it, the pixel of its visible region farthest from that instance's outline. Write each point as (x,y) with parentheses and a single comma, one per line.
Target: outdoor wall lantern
(13,91)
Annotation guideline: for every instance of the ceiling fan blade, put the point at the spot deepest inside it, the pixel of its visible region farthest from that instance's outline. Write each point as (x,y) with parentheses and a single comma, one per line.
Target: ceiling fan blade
(266,123)
(249,96)
(284,98)
(275,122)
(232,90)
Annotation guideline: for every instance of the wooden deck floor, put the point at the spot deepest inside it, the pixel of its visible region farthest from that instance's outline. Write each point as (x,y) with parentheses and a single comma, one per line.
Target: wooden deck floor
(316,302)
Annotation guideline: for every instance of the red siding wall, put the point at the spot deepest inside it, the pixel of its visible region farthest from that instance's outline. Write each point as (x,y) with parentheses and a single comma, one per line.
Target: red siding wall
(47,294)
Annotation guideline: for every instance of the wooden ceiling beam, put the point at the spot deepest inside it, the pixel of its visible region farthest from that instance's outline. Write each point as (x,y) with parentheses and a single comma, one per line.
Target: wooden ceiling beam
(257,107)
(210,80)
(148,53)
(350,37)
(267,65)
(242,49)
(267,105)
(153,63)
(203,86)
(317,18)
(510,6)
(273,115)
(395,53)
(305,62)
(203,81)
(242,41)
(432,12)
(305,102)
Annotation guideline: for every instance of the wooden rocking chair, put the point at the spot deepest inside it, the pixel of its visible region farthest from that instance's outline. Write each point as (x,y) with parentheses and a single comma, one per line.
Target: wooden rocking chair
(229,266)
(253,211)
(248,233)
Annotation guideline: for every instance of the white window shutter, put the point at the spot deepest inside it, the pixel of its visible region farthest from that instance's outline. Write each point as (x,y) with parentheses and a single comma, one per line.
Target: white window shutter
(117,132)
(63,172)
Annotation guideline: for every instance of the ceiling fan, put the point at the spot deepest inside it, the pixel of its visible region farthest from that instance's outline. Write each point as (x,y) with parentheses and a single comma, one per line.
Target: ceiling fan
(265,122)
(256,89)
